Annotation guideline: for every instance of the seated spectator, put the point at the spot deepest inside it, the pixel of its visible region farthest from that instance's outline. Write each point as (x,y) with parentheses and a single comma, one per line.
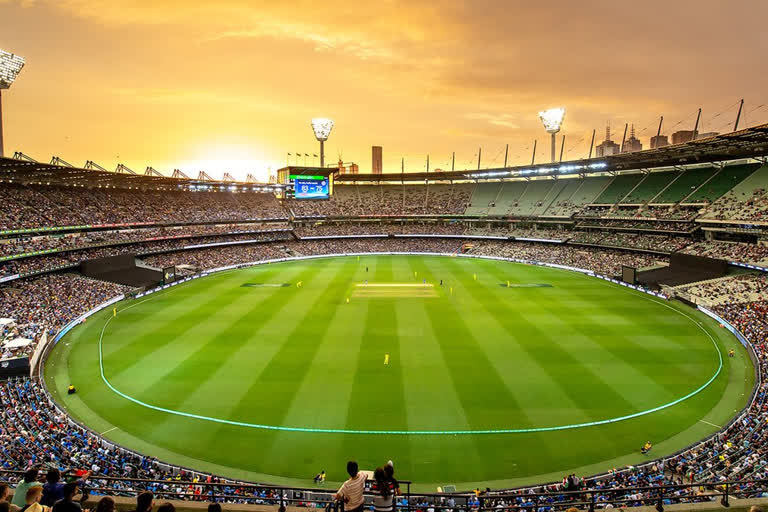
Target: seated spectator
(53,489)
(105,504)
(67,503)
(29,481)
(32,500)
(145,501)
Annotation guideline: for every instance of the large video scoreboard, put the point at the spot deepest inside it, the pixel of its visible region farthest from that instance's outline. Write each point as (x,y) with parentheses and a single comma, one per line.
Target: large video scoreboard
(307,182)
(311,187)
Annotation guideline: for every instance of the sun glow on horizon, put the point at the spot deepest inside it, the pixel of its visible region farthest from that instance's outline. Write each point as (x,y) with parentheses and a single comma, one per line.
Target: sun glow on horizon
(237,159)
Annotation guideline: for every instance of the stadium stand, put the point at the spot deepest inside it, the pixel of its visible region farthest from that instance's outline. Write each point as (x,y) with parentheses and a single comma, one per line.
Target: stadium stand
(47,303)
(728,290)
(586,192)
(40,206)
(483,197)
(688,181)
(619,187)
(747,201)
(206,230)
(731,251)
(720,183)
(533,197)
(650,187)
(508,197)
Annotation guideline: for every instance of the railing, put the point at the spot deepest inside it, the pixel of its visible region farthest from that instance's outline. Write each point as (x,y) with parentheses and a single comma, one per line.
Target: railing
(321,497)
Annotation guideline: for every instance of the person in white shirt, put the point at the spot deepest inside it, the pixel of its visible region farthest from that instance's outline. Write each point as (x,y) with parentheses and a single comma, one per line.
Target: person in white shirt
(351,491)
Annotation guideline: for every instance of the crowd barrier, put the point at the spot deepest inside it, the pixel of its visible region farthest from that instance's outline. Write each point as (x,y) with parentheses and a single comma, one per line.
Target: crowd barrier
(553,498)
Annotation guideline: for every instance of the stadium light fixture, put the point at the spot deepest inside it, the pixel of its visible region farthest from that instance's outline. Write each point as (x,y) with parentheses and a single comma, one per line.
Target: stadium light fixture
(552,119)
(10,66)
(322,127)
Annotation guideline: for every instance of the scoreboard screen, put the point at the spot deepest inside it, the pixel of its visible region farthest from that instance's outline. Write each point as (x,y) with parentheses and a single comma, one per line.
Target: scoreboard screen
(312,187)
(169,275)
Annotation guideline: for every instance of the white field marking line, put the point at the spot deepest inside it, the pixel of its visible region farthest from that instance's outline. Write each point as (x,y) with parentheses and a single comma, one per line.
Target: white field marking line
(108,431)
(712,424)
(395,285)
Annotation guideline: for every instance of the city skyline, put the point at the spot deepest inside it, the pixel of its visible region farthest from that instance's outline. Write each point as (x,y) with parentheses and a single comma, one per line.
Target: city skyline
(232,87)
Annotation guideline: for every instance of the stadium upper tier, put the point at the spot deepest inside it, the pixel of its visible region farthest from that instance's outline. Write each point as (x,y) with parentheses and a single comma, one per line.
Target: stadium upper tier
(734,192)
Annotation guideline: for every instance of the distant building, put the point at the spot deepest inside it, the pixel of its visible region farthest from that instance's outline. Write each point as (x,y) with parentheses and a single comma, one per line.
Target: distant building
(607,147)
(683,136)
(376,166)
(659,141)
(632,144)
(348,168)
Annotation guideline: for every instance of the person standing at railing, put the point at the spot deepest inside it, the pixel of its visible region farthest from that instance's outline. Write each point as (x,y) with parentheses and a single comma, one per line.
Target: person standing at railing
(383,492)
(351,491)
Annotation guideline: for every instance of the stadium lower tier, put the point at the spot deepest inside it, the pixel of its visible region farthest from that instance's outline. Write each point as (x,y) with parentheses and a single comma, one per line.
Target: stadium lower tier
(734,455)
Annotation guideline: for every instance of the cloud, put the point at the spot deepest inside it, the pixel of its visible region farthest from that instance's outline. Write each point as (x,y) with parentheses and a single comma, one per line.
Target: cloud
(505,120)
(320,42)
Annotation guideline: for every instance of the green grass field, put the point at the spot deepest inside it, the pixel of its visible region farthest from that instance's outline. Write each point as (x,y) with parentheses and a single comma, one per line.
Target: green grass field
(554,348)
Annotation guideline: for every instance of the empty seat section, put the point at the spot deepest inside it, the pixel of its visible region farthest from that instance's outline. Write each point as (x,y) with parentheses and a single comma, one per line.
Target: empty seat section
(684,185)
(582,192)
(722,182)
(482,197)
(619,187)
(532,197)
(653,183)
(510,195)
(553,193)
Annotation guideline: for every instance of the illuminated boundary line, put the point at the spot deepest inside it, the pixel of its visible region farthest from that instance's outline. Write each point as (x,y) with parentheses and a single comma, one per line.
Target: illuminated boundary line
(414,432)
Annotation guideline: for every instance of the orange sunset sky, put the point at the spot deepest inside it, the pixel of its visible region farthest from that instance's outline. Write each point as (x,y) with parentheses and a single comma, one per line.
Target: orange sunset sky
(231,85)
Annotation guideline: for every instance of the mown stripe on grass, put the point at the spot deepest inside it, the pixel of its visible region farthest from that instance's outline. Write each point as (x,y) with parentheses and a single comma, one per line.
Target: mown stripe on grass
(464,356)
(210,348)
(504,347)
(602,353)
(282,376)
(167,315)
(377,398)
(555,359)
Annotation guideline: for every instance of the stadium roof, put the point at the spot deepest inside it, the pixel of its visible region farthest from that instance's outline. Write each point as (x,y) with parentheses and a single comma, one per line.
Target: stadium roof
(23,169)
(748,143)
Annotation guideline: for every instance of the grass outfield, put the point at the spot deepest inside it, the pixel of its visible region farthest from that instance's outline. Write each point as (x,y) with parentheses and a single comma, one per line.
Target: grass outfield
(555,348)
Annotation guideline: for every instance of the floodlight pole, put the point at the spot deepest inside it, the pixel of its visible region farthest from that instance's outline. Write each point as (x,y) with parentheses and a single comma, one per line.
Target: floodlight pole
(735,125)
(533,157)
(554,143)
(322,153)
(506,154)
(591,144)
(479,154)
(453,160)
(624,137)
(696,126)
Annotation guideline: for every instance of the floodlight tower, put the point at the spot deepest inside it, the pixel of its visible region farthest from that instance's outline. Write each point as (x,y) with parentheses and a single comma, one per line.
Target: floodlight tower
(322,127)
(10,65)
(552,120)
